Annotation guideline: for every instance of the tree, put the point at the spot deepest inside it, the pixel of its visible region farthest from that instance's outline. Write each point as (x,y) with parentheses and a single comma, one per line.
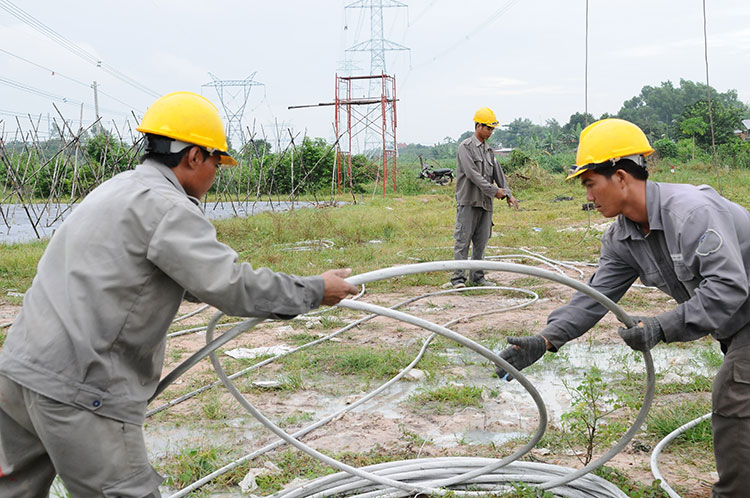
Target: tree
(726,119)
(692,127)
(656,109)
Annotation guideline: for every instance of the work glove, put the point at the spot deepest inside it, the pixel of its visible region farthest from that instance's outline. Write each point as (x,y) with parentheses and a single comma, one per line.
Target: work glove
(523,352)
(642,338)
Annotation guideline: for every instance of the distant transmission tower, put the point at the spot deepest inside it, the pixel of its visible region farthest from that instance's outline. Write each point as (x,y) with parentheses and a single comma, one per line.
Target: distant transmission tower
(233,95)
(377,45)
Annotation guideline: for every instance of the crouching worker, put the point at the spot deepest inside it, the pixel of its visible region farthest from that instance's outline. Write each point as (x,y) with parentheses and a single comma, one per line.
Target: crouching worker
(85,353)
(691,243)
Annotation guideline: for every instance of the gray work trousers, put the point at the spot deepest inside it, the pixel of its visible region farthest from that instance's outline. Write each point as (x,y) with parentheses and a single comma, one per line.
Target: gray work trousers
(730,419)
(94,456)
(473,226)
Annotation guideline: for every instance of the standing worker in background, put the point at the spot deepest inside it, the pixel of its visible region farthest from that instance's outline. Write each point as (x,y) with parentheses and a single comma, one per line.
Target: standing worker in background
(477,173)
(86,351)
(691,243)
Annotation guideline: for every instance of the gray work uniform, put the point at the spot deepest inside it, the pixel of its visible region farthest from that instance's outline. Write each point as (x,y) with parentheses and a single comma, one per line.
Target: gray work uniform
(477,172)
(698,252)
(92,331)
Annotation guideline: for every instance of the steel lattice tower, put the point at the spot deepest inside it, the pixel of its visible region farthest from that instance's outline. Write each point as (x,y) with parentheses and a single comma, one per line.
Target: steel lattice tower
(233,95)
(377,45)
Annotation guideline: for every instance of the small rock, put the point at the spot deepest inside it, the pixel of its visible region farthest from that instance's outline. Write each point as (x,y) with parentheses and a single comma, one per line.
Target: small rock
(415,375)
(267,384)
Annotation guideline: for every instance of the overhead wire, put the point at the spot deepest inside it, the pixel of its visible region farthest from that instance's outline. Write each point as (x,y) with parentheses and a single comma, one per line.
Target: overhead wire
(76,50)
(58,73)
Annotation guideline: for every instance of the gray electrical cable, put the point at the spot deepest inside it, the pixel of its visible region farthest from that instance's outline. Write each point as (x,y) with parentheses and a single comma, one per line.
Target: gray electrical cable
(662,444)
(197,484)
(443,266)
(350,326)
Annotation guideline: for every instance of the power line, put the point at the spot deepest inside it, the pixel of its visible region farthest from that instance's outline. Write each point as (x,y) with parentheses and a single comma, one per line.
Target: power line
(50,33)
(485,24)
(58,98)
(57,73)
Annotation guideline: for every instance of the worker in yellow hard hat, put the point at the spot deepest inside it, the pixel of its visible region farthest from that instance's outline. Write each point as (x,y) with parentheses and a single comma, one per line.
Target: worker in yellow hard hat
(688,241)
(479,180)
(84,355)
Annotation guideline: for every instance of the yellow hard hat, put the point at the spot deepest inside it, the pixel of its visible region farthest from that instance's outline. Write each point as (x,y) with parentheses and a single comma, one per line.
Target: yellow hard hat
(485,116)
(610,140)
(188,117)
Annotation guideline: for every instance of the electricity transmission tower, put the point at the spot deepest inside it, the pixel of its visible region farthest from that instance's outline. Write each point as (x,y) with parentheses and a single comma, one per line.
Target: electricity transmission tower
(233,95)
(377,46)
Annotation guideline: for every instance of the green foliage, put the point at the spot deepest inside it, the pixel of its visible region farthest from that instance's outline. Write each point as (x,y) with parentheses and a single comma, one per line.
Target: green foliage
(655,108)
(694,122)
(666,148)
(630,488)
(523,490)
(589,408)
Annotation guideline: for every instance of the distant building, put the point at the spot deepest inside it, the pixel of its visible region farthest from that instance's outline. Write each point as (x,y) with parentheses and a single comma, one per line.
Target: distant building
(744,131)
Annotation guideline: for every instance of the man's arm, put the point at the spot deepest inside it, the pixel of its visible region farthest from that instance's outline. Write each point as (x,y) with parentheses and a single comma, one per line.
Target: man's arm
(613,278)
(504,191)
(184,246)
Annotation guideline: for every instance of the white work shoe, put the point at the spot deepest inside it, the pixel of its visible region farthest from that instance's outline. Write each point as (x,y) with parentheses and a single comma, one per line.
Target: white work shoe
(451,285)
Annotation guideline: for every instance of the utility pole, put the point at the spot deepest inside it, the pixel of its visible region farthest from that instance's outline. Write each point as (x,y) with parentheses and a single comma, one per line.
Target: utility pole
(96,109)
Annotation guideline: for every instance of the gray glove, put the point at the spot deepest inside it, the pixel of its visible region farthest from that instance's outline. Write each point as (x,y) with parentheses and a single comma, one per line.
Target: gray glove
(523,352)
(642,338)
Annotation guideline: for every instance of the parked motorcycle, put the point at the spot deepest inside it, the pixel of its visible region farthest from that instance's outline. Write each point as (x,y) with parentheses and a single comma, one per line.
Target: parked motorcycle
(439,176)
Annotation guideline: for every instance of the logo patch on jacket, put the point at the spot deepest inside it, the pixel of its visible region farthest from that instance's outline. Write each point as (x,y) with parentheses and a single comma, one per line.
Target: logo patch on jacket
(710,242)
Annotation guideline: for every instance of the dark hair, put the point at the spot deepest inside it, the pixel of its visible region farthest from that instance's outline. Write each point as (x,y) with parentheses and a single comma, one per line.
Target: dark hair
(627,165)
(169,159)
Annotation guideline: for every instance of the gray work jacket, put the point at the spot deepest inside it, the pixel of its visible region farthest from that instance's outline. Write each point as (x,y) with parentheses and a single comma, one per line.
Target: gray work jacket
(476,171)
(697,251)
(92,330)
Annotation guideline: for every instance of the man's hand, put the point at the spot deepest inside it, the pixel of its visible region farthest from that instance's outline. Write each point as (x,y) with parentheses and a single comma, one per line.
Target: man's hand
(523,352)
(335,288)
(512,202)
(645,335)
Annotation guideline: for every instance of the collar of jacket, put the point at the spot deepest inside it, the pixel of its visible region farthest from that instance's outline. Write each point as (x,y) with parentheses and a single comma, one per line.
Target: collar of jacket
(631,229)
(150,166)
(478,142)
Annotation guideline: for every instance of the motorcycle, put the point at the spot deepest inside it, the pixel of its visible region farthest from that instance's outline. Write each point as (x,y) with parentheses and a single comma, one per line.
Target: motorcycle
(439,176)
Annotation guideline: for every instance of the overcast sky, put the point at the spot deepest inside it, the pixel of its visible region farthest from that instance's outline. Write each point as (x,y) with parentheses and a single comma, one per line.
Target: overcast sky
(522,58)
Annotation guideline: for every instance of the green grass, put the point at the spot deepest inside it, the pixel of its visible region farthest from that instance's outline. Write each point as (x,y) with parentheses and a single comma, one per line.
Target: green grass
(447,399)
(364,362)
(663,420)
(190,464)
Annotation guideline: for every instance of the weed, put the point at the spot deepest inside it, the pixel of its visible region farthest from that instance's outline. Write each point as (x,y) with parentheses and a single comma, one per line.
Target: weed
(632,489)
(448,399)
(589,408)
(212,406)
(523,490)
(666,419)
(191,464)
(712,356)
(296,418)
